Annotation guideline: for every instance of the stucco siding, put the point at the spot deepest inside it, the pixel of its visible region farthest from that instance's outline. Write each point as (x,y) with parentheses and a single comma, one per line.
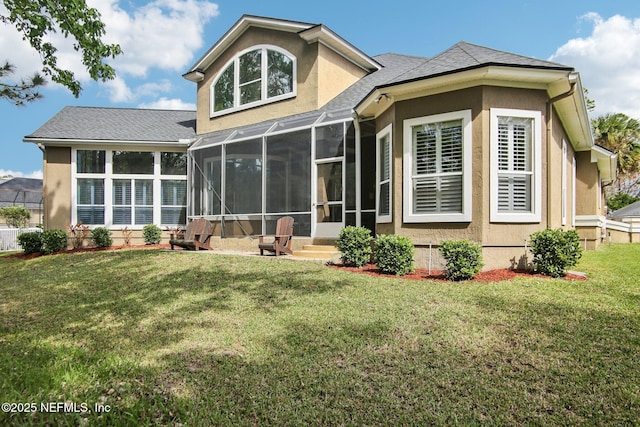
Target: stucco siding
(57,188)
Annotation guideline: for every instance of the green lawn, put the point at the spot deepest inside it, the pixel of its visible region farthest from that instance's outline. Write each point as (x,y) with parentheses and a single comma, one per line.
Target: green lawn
(162,338)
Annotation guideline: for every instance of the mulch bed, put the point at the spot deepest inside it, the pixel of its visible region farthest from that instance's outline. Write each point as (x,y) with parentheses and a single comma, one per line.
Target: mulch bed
(21,255)
(438,275)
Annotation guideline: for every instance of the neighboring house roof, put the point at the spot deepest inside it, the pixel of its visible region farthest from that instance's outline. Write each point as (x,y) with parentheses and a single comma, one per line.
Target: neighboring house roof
(628,211)
(117,124)
(25,192)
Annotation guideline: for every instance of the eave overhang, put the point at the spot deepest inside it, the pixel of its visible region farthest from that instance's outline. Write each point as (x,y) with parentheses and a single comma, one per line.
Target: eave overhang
(68,142)
(607,162)
(311,33)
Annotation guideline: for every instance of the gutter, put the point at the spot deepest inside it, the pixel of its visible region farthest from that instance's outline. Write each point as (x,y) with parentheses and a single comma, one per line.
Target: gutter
(573,81)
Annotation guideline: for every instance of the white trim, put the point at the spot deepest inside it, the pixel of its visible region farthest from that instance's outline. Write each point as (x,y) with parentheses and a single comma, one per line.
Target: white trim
(388,133)
(263,76)
(408,215)
(563,174)
(535,216)
(574,204)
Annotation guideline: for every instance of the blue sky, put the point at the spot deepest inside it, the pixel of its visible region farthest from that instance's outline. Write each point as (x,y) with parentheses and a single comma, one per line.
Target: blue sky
(162,39)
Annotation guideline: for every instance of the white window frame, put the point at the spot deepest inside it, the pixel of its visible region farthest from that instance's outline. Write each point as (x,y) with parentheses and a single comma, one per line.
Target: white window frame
(108,176)
(574,168)
(264,80)
(380,137)
(535,216)
(408,176)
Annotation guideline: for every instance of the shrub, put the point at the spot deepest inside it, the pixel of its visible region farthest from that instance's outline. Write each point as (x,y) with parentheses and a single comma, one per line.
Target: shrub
(394,254)
(31,242)
(355,245)
(54,241)
(554,251)
(78,232)
(152,234)
(101,237)
(15,216)
(463,259)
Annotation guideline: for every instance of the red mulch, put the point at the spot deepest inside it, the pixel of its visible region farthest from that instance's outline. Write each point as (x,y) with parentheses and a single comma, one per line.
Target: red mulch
(21,255)
(438,275)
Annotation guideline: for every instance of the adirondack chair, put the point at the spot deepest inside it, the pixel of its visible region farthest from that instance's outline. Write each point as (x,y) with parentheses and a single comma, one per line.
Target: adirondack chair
(196,236)
(282,238)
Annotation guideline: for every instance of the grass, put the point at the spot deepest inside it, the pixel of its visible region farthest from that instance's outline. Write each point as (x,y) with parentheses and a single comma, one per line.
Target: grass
(165,338)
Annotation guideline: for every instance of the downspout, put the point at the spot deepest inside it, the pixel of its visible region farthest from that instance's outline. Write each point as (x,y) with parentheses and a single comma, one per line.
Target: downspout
(573,82)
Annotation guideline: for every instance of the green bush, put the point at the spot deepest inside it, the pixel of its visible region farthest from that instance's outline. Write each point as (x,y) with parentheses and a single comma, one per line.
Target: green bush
(394,254)
(355,245)
(15,216)
(101,237)
(152,234)
(554,251)
(463,259)
(31,242)
(53,241)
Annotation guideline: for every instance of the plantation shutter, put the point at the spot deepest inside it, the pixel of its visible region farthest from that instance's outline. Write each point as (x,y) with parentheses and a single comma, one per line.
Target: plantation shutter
(437,179)
(384,207)
(144,201)
(122,201)
(514,164)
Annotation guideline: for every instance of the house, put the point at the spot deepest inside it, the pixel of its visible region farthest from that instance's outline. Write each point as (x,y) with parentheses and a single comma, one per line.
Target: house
(623,225)
(26,192)
(292,119)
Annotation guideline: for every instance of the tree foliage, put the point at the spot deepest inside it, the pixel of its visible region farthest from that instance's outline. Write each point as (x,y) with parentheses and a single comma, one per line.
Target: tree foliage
(36,20)
(22,92)
(15,216)
(620,134)
(620,200)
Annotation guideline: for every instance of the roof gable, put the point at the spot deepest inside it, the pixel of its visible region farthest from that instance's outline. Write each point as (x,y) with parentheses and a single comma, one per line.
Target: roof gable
(311,33)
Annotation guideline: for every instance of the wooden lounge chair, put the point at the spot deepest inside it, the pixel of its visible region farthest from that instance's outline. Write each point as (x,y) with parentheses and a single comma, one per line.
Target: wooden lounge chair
(282,238)
(196,236)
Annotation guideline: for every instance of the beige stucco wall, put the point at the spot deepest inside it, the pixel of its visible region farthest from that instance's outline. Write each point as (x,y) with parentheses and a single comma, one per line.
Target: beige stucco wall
(57,188)
(321,75)
(503,243)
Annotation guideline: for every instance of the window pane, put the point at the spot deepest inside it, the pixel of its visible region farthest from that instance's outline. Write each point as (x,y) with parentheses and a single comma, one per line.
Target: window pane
(514,193)
(132,162)
(288,183)
(90,161)
(144,192)
(243,173)
(173,163)
(224,89)
(250,92)
(121,215)
(384,199)
(122,192)
(91,215)
(280,74)
(330,141)
(174,215)
(174,193)
(90,191)
(144,215)
(250,66)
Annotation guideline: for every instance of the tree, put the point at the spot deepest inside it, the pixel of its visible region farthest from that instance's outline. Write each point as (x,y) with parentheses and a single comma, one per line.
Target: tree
(620,200)
(620,134)
(15,216)
(36,20)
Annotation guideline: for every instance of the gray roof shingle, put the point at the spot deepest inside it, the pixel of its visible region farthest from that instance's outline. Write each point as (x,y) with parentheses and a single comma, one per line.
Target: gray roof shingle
(630,210)
(118,124)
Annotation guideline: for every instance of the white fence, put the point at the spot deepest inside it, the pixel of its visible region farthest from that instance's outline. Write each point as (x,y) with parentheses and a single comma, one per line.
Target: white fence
(9,237)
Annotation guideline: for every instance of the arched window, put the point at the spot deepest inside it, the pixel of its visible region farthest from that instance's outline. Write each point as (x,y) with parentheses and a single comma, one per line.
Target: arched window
(259,75)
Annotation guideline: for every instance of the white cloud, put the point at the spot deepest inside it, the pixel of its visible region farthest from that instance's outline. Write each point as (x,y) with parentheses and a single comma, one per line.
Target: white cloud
(35,174)
(168,104)
(609,62)
(160,35)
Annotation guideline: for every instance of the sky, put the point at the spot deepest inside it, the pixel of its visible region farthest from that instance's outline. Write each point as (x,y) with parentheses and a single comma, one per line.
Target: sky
(162,39)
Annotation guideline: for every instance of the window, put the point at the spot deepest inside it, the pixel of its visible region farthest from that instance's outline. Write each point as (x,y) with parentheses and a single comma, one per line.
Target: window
(130,188)
(383,175)
(260,75)
(516,151)
(437,172)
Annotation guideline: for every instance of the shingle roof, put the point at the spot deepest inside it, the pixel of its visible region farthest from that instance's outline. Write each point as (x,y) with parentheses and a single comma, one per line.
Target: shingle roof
(118,124)
(630,210)
(21,191)
(463,56)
